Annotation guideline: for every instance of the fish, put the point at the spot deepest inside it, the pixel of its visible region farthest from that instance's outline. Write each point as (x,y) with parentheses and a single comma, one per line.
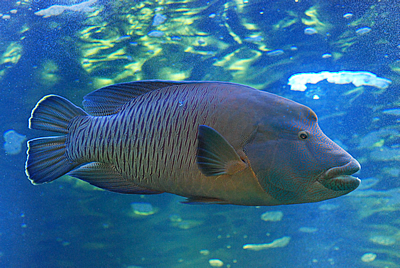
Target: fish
(211,142)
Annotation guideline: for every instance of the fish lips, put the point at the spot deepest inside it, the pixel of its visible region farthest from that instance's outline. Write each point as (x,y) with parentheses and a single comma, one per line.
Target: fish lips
(339,179)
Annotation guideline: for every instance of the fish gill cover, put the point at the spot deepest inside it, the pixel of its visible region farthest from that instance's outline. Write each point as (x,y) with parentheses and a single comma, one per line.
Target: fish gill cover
(81,46)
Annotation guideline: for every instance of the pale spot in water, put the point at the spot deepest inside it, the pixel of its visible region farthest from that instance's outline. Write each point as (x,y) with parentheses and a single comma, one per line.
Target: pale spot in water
(216,263)
(13,142)
(272,216)
(175,218)
(159,19)
(277,243)
(348,15)
(155,34)
(310,31)
(204,252)
(368,257)
(363,30)
(328,207)
(395,112)
(142,208)
(253,39)
(308,229)
(56,10)
(383,240)
(276,52)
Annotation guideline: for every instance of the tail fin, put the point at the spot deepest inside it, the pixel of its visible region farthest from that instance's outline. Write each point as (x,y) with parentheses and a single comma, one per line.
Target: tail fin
(46,160)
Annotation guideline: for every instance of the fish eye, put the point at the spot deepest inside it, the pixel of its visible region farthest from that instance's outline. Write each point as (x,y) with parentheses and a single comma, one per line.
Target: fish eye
(303,135)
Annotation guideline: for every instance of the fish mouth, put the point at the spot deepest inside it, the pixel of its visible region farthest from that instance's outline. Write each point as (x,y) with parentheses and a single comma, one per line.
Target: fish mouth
(339,179)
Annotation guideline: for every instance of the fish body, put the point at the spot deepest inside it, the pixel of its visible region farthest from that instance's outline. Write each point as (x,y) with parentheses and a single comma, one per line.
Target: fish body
(208,141)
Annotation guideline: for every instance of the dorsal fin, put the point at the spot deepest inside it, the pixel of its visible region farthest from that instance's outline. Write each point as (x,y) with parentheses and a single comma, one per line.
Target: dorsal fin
(109,99)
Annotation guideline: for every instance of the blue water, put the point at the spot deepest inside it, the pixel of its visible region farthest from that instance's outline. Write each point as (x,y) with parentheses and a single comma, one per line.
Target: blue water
(70,224)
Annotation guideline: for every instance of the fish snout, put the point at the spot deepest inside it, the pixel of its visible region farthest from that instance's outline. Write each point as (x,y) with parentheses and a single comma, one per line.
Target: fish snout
(339,179)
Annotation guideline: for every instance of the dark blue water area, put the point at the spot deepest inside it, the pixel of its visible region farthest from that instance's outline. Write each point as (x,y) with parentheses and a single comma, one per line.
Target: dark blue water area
(69,224)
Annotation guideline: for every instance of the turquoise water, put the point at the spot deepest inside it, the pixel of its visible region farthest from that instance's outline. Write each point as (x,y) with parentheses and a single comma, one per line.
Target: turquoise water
(258,43)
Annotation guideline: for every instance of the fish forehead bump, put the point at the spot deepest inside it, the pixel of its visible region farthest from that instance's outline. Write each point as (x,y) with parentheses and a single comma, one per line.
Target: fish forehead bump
(282,106)
(301,114)
(281,115)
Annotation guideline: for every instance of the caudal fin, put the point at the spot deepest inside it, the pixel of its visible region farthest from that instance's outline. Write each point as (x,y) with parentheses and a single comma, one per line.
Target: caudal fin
(46,159)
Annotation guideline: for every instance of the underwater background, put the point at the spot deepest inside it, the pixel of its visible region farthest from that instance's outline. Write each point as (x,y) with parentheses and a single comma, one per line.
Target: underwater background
(79,46)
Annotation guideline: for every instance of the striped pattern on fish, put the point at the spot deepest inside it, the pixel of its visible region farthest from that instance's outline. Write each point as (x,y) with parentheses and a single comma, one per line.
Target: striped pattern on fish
(150,138)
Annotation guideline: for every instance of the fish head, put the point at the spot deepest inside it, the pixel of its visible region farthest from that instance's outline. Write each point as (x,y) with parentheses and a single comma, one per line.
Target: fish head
(294,161)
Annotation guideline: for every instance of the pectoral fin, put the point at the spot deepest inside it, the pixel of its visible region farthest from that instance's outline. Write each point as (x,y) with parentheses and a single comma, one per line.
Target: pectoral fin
(215,156)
